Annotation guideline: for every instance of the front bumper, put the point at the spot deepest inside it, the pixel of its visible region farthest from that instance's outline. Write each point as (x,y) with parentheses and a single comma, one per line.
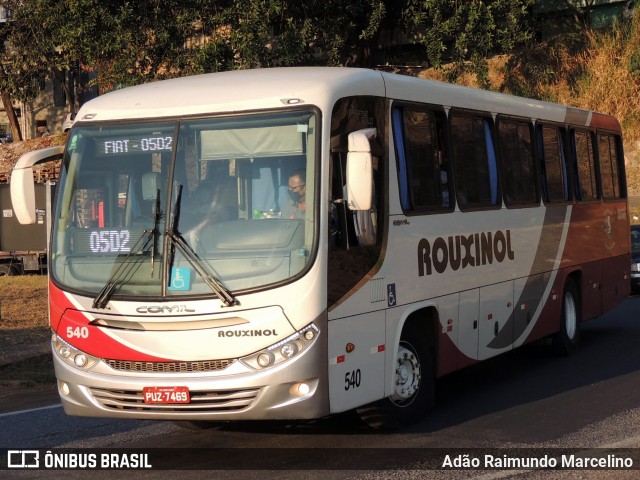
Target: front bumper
(235,393)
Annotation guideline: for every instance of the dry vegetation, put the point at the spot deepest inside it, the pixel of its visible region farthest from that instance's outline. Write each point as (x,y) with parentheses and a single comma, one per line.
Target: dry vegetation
(599,71)
(24,324)
(10,152)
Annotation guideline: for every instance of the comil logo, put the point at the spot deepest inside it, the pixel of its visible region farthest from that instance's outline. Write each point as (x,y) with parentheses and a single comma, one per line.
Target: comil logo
(23,459)
(161,309)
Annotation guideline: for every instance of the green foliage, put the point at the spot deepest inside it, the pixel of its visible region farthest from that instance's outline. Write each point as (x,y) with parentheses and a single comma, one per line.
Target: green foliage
(125,42)
(466,33)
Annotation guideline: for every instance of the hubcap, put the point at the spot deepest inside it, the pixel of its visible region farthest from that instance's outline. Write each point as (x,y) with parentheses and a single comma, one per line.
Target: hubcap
(407,374)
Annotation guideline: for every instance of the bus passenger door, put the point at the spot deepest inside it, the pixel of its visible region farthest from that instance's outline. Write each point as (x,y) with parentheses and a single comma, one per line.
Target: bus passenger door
(356,360)
(496,329)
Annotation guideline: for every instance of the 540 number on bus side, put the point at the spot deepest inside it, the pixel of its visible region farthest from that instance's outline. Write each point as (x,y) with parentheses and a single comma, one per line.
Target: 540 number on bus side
(352,379)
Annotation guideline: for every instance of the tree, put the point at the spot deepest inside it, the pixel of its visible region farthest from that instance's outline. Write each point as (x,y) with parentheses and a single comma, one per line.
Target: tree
(126,43)
(468,32)
(16,133)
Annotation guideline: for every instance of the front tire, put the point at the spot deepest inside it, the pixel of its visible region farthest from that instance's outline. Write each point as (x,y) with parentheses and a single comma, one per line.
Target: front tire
(566,341)
(414,386)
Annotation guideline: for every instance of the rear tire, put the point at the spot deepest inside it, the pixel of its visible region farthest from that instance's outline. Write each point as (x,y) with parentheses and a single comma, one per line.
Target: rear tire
(566,341)
(414,386)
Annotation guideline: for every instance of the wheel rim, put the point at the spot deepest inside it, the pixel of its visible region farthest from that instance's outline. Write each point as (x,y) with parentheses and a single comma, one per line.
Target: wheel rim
(570,316)
(408,375)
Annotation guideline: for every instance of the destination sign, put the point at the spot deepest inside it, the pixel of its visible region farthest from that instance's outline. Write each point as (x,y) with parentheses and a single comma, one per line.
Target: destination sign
(119,146)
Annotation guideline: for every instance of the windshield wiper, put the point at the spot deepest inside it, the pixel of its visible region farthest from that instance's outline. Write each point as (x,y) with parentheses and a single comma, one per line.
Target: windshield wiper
(125,266)
(177,241)
(156,219)
(201,267)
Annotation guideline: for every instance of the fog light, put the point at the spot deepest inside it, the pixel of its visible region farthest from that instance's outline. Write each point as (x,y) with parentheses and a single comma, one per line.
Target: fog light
(304,389)
(64,388)
(300,389)
(264,360)
(80,360)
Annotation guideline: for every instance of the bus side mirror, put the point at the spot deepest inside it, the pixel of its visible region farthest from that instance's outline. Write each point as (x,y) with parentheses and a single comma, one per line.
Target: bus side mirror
(23,197)
(360,169)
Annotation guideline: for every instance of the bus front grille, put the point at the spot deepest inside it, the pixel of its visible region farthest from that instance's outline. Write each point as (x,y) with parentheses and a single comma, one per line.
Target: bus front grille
(169,367)
(200,401)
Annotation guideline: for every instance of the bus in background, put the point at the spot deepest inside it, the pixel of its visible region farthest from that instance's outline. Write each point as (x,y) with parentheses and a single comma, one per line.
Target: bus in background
(432,226)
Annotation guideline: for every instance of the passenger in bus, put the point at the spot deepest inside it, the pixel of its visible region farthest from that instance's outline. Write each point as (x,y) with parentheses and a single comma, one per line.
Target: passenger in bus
(296,207)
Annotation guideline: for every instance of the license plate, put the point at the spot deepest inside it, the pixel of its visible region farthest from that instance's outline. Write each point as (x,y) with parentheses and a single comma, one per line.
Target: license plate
(166,395)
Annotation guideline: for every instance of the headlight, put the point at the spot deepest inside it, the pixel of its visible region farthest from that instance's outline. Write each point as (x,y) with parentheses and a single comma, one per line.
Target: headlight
(71,355)
(284,350)
(635,267)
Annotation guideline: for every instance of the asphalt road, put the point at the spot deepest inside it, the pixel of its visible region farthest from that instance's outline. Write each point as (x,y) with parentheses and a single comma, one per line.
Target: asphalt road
(527,403)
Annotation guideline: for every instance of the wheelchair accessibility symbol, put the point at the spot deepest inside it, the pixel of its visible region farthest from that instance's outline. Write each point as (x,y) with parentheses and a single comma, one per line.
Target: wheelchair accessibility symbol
(391,295)
(180,279)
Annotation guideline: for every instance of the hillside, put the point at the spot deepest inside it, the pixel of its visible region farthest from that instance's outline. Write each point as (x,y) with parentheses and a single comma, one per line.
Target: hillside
(626,108)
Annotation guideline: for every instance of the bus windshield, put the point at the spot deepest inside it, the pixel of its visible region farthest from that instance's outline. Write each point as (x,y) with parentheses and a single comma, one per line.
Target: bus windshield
(185,207)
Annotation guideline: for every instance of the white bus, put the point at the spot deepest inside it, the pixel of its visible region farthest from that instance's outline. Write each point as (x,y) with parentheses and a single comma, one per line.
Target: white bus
(291,243)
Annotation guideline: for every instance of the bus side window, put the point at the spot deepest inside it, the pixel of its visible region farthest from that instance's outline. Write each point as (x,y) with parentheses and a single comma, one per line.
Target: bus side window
(422,162)
(355,237)
(586,181)
(516,153)
(555,180)
(609,158)
(476,172)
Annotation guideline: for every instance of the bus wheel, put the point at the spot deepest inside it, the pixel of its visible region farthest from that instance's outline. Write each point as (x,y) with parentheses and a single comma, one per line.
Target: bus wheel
(566,341)
(414,387)
(7,270)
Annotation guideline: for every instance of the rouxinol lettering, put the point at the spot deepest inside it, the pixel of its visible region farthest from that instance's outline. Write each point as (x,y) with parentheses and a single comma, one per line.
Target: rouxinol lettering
(248,333)
(462,251)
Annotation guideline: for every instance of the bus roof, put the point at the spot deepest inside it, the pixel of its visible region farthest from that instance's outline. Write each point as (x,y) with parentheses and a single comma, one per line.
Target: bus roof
(234,91)
(238,90)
